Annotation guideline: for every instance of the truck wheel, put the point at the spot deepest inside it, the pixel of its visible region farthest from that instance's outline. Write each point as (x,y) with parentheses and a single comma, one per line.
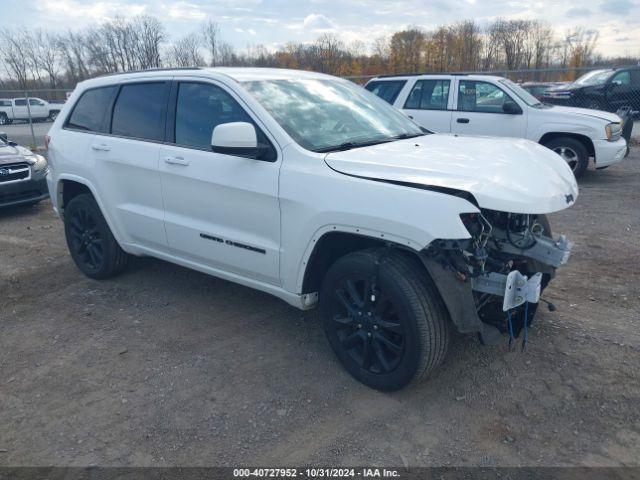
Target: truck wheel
(383,318)
(91,243)
(53,115)
(573,152)
(4,120)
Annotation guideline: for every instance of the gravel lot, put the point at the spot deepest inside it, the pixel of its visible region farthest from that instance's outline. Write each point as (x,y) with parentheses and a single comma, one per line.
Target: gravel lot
(166,366)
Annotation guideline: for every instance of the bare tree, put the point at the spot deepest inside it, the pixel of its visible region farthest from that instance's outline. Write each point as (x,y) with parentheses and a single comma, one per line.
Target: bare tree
(151,35)
(211,38)
(186,52)
(15,56)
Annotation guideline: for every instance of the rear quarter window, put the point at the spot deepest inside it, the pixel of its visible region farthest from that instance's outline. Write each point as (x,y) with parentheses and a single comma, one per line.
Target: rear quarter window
(387,90)
(92,110)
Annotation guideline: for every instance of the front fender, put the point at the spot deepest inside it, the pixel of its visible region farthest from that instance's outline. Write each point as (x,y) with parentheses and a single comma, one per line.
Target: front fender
(399,214)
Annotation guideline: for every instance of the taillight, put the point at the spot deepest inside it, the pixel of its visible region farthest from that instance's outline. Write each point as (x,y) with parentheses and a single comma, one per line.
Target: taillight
(47,141)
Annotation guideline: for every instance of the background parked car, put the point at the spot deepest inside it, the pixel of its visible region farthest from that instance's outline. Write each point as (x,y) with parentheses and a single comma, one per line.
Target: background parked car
(490,105)
(537,89)
(22,175)
(606,89)
(16,109)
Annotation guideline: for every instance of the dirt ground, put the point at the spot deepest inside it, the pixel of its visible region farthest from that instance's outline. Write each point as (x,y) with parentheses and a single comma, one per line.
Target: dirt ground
(166,366)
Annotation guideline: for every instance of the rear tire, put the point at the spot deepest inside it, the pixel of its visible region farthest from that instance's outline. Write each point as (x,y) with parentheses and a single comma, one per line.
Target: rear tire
(396,339)
(91,243)
(573,152)
(4,119)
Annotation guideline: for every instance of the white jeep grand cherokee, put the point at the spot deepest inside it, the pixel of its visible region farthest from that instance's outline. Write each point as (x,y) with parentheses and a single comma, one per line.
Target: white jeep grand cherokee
(489,105)
(310,188)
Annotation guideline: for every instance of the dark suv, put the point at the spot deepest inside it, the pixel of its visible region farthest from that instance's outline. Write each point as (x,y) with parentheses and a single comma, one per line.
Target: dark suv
(607,89)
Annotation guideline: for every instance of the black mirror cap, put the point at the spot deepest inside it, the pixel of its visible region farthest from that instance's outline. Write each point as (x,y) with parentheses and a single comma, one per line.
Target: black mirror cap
(512,108)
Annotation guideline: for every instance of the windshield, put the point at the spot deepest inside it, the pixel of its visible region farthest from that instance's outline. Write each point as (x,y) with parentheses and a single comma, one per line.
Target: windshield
(323,115)
(597,77)
(525,96)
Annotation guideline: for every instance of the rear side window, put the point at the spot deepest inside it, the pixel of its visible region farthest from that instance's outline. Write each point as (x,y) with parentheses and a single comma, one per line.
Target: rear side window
(387,90)
(429,95)
(139,111)
(92,110)
(5,103)
(21,102)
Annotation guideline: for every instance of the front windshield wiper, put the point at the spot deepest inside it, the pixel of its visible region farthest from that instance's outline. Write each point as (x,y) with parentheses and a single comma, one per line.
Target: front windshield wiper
(349,145)
(404,136)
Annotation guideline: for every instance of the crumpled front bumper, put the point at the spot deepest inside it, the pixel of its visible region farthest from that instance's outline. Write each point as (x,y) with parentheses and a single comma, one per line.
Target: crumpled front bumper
(515,287)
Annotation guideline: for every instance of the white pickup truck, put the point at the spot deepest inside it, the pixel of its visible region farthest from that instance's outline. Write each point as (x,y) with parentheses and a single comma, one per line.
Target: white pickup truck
(16,109)
(489,105)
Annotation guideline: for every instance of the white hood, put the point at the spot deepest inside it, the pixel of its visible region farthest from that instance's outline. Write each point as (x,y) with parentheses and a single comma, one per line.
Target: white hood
(509,175)
(587,112)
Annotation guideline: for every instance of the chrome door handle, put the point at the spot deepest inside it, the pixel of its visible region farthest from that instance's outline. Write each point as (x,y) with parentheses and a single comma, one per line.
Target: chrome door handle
(176,161)
(101,147)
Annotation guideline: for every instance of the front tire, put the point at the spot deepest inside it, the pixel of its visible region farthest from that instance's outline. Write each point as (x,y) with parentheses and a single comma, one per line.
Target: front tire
(4,119)
(92,245)
(573,152)
(394,338)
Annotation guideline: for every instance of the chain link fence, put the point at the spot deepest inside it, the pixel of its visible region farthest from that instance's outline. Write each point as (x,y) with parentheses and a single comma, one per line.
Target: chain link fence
(25,114)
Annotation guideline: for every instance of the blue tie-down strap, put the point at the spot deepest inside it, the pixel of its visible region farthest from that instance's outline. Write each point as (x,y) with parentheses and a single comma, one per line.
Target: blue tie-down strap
(524,327)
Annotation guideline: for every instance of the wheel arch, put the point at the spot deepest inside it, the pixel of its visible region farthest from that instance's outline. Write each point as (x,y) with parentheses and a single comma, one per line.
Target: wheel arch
(334,244)
(70,186)
(584,139)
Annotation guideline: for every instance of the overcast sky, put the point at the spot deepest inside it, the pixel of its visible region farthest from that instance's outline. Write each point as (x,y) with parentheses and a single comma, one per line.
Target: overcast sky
(274,22)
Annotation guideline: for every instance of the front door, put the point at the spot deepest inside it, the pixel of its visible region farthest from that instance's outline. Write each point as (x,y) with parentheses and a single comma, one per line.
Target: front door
(221,210)
(480,111)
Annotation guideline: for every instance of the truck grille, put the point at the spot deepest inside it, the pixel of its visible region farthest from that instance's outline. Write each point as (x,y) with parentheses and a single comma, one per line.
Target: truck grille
(15,172)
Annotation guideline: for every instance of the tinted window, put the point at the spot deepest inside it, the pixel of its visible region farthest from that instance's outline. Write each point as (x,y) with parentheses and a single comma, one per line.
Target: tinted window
(92,109)
(386,90)
(33,101)
(21,102)
(624,78)
(481,97)
(5,103)
(201,107)
(139,111)
(429,95)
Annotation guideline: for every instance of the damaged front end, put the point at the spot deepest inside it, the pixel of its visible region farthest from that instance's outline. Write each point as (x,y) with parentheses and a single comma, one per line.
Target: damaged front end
(491,283)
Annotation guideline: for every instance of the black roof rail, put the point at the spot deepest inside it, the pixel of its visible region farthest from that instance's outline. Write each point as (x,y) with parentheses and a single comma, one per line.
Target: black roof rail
(160,69)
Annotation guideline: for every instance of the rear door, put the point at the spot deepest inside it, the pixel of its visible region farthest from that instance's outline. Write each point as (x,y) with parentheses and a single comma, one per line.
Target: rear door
(479,111)
(429,105)
(221,210)
(20,111)
(126,161)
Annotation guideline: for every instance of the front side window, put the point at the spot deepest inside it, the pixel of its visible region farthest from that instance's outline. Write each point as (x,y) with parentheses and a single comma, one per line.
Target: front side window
(90,112)
(622,78)
(139,111)
(323,114)
(484,97)
(387,90)
(429,95)
(35,102)
(199,109)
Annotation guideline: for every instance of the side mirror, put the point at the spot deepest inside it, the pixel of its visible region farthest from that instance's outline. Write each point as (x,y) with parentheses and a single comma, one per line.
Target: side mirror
(511,107)
(235,138)
(4,137)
